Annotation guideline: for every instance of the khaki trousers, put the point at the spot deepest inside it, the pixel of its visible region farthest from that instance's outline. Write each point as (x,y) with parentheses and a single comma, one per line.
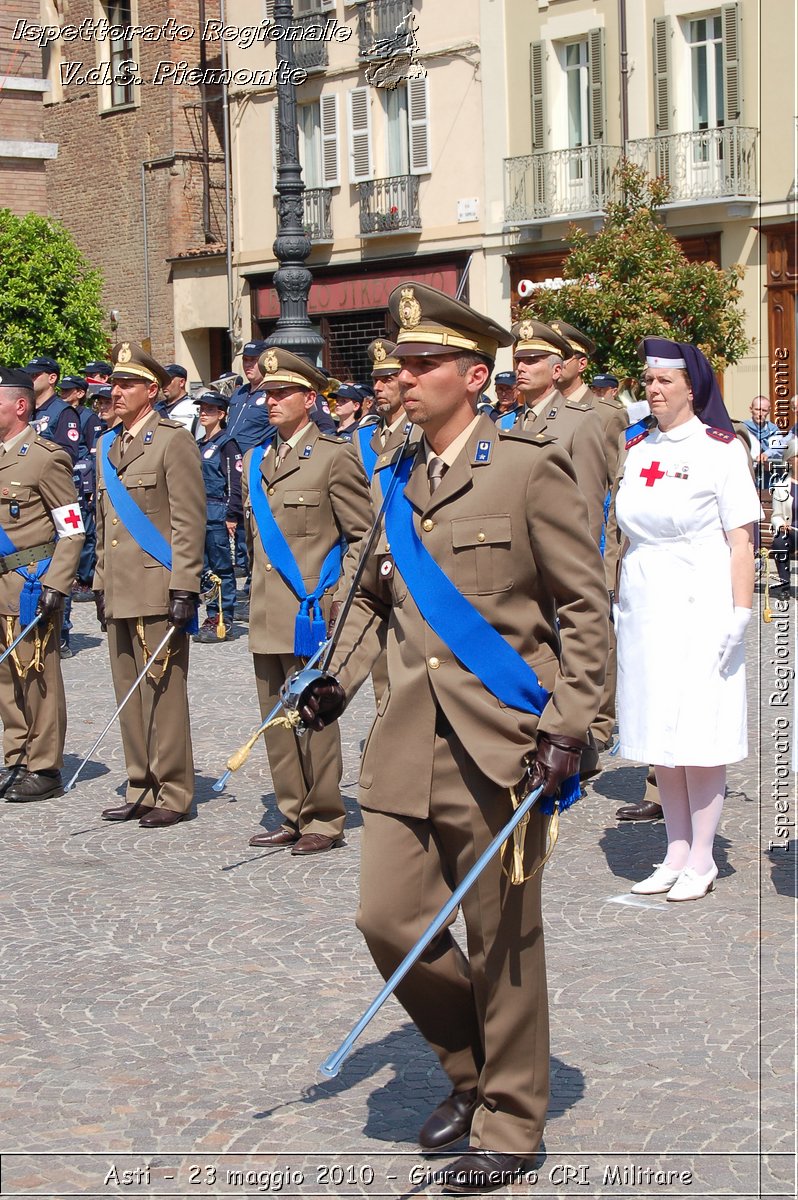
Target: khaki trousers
(156,735)
(485,1015)
(33,709)
(604,724)
(306,771)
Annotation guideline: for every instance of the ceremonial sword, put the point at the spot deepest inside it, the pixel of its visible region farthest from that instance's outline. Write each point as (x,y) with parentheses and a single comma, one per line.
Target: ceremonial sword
(19,638)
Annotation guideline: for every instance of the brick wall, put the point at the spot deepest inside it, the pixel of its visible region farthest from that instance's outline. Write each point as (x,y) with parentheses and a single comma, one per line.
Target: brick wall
(95,185)
(347,338)
(23,185)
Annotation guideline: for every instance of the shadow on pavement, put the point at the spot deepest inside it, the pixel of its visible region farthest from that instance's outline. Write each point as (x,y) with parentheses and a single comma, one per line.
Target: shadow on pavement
(784,869)
(633,847)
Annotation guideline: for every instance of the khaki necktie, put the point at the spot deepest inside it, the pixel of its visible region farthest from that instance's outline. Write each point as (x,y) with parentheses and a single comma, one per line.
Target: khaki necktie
(436,469)
(383,436)
(127,438)
(283,452)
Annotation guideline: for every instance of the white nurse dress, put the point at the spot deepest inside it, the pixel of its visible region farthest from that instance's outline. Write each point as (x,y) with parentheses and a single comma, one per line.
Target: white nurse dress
(679,491)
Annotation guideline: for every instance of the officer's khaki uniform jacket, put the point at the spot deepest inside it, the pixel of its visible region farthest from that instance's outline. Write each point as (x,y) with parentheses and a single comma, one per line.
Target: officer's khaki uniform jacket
(37,481)
(318,495)
(614,420)
(512,536)
(161,472)
(577,428)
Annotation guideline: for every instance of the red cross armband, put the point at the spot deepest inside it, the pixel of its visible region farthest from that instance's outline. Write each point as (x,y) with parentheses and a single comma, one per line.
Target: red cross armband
(67,520)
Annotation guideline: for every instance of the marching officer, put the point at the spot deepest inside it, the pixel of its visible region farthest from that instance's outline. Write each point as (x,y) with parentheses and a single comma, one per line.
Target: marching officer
(221,463)
(150,538)
(41,535)
(493,593)
(306,509)
(53,418)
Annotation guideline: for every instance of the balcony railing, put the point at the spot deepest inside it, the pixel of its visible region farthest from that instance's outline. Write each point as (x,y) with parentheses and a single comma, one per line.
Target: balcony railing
(310,55)
(558,183)
(317,219)
(389,205)
(381,28)
(705,164)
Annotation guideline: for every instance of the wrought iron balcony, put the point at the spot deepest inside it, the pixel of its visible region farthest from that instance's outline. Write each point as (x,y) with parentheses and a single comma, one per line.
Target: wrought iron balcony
(705,164)
(310,55)
(389,205)
(553,184)
(381,28)
(317,219)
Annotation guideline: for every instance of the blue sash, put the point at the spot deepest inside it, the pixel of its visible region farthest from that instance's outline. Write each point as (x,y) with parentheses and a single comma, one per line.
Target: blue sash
(31,587)
(508,420)
(472,639)
(137,523)
(369,456)
(310,630)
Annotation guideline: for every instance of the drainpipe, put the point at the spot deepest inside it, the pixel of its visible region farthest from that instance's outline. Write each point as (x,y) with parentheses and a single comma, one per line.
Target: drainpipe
(624,75)
(228,215)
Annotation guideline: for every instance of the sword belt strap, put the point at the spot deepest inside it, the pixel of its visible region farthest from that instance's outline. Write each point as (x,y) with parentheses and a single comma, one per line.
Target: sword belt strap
(25,558)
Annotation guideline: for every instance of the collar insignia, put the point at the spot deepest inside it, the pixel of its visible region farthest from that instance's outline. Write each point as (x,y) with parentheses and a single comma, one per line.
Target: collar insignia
(23,449)
(483,452)
(306,453)
(147,437)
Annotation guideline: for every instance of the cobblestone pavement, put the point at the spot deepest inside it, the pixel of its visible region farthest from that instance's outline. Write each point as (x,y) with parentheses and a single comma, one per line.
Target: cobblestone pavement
(169,995)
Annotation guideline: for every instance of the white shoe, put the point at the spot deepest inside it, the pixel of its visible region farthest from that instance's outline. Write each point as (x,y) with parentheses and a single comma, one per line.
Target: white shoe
(662,880)
(691,886)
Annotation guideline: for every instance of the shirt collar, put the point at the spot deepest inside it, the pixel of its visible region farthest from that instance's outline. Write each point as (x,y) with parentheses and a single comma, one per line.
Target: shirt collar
(681,432)
(15,441)
(453,449)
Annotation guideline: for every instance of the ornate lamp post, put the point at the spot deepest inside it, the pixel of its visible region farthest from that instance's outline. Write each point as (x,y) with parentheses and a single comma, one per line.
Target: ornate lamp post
(292,244)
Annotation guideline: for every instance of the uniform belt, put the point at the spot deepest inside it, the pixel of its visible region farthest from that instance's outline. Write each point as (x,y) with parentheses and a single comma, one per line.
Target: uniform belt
(25,558)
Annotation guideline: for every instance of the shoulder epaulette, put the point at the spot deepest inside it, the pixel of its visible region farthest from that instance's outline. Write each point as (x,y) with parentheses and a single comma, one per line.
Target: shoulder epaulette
(720,435)
(523,435)
(579,405)
(47,444)
(170,424)
(331,437)
(611,401)
(638,437)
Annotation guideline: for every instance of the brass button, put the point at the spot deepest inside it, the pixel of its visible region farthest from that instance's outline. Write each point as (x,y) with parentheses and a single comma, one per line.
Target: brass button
(434,663)
(114,542)
(480,536)
(301,499)
(140,482)
(427,525)
(270,492)
(268,566)
(115,520)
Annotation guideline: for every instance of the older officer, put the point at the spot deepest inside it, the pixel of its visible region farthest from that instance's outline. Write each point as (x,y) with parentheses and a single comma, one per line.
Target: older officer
(487,558)
(540,355)
(150,540)
(41,535)
(306,507)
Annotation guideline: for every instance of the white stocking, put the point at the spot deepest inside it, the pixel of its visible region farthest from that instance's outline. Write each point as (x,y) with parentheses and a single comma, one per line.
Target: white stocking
(673,796)
(706,787)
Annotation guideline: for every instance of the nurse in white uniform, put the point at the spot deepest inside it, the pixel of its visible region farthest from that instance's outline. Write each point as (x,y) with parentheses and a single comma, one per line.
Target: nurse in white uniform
(687,505)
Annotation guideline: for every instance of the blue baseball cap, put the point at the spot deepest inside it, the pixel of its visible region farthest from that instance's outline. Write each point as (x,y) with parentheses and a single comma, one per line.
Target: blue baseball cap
(506,379)
(74,381)
(43,365)
(602,381)
(214,398)
(253,349)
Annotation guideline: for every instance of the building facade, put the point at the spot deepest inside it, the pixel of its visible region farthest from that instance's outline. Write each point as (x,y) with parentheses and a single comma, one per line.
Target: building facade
(24,149)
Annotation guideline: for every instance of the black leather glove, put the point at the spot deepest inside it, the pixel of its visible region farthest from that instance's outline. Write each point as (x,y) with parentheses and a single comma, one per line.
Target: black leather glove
(51,605)
(557,758)
(99,604)
(182,606)
(322,703)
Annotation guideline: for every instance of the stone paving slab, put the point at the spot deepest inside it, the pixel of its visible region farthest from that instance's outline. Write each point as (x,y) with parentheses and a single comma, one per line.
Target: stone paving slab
(169,995)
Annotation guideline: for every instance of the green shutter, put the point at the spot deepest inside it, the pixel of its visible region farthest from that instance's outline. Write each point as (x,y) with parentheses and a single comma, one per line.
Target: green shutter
(537,59)
(598,77)
(732,53)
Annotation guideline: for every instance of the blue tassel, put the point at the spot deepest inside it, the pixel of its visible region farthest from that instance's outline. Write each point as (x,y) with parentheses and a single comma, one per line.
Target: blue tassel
(303,640)
(28,600)
(318,628)
(569,794)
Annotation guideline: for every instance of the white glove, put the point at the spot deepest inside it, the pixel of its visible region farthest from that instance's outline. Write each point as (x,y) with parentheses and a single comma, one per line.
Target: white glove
(734,636)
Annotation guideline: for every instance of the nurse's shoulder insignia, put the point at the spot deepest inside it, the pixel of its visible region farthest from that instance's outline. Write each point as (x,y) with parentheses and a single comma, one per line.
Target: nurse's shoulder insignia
(638,437)
(719,435)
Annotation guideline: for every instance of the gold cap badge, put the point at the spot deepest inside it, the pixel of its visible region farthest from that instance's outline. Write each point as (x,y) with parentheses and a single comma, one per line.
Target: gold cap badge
(125,354)
(270,361)
(409,309)
(526,330)
(380,353)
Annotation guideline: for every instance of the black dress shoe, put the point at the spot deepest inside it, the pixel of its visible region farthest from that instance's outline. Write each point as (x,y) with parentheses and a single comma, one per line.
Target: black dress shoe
(126,812)
(450,1122)
(159,818)
(9,776)
(647,811)
(479,1171)
(275,837)
(35,785)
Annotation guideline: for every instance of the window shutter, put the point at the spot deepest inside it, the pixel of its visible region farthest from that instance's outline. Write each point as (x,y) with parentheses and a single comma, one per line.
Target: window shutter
(418,125)
(662,66)
(732,48)
(597,77)
(329,140)
(269,7)
(537,58)
(360,164)
(275,146)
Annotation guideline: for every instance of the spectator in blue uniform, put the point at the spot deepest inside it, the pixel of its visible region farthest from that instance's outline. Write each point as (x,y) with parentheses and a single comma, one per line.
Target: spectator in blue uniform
(53,418)
(348,406)
(769,436)
(221,462)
